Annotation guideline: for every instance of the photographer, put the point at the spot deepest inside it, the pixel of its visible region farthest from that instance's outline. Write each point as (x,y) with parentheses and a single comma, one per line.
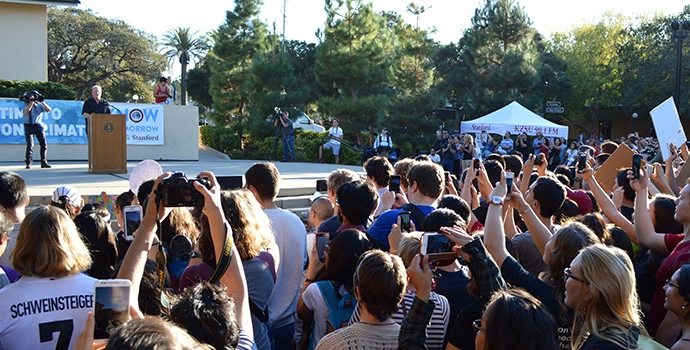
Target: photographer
(288,136)
(383,144)
(34,106)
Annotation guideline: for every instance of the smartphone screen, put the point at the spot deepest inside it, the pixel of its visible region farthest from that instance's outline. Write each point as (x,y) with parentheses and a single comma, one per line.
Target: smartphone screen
(110,306)
(435,243)
(477,164)
(230,182)
(446,176)
(582,162)
(132,220)
(405,221)
(321,243)
(636,164)
(509,181)
(321,186)
(394,184)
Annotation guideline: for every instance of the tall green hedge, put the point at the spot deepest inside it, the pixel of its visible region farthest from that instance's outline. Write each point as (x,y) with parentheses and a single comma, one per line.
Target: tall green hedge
(306,146)
(52,91)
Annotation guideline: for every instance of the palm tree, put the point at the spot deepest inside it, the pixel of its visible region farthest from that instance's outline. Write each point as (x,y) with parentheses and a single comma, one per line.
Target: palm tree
(182,43)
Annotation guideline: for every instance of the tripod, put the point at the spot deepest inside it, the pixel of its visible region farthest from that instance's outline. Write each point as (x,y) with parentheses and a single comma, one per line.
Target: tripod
(276,136)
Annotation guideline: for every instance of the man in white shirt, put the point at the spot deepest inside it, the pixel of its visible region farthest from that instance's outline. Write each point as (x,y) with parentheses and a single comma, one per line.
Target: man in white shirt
(383,144)
(291,237)
(335,133)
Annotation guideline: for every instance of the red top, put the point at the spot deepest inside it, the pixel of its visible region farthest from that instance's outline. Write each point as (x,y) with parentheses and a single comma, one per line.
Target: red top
(161,92)
(680,255)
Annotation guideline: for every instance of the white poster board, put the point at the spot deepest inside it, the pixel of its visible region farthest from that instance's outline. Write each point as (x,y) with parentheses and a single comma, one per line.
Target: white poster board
(668,127)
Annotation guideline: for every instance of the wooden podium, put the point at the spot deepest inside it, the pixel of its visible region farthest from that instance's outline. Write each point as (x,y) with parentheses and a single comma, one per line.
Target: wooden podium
(107,144)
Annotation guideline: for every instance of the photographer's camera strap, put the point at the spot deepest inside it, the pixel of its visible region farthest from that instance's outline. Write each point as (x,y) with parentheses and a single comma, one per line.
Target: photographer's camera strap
(225,258)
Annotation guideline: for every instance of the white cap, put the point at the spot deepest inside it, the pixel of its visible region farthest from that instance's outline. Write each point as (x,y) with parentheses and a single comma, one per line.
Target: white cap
(72,194)
(147,169)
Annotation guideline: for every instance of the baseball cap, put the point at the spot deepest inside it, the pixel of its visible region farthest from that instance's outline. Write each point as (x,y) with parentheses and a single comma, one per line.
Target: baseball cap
(72,194)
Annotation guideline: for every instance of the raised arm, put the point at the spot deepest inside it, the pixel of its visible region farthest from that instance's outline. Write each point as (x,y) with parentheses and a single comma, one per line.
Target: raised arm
(526,174)
(540,233)
(644,228)
(494,237)
(607,205)
(233,279)
(670,175)
(133,264)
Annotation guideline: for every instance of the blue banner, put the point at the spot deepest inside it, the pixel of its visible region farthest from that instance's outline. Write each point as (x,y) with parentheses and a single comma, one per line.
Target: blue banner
(66,124)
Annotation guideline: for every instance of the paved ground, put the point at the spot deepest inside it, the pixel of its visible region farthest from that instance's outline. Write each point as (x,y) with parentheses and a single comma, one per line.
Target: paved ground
(42,182)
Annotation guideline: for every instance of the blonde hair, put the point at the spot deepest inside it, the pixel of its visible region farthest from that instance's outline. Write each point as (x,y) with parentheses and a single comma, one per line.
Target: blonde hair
(250,225)
(613,312)
(49,245)
(469,138)
(409,247)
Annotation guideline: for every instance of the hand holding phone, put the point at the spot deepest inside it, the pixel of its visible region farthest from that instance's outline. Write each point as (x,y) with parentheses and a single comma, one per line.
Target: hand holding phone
(538,159)
(439,248)
(509,180)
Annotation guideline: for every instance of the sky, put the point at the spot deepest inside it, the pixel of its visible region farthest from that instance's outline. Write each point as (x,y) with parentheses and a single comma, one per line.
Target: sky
(304,17)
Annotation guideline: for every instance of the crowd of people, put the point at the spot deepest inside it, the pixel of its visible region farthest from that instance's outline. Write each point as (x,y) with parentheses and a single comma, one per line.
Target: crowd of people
(544,257)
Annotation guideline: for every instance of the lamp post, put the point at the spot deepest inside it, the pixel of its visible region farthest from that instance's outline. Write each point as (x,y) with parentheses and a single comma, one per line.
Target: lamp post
(634,119)
(546,84)
(135,98)
(680,34)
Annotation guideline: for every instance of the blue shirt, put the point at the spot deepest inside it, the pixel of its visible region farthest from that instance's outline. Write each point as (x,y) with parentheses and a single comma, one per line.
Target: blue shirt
(507,142)
(383,225)
(35,115)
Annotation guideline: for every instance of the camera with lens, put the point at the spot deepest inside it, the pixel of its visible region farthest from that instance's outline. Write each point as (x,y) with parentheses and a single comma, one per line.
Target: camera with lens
(32,95)
(178,191)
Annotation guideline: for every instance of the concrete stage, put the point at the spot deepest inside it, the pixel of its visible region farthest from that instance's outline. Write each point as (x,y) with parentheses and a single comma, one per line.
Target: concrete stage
(296,178)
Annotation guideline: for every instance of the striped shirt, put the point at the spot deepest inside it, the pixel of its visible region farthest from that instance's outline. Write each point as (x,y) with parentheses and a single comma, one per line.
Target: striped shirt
(439,320)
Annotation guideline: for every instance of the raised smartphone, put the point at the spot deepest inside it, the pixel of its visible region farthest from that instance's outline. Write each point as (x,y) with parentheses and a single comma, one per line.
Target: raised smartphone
(322,186)
(394,184)
(435,243)
(509,181)
(636,164)
(321,243)
(132,220)
(110,306)
(405,221)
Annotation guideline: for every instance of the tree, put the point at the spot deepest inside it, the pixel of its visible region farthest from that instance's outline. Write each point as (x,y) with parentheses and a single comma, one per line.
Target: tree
(647,61)
(85,50)
(198,85)
(237,41)
(500,59)
(183,44)
(415,97)
(591,53)
(354,59)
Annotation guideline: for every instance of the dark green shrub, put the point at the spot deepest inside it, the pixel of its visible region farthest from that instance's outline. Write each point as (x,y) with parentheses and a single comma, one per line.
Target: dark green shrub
(51,91)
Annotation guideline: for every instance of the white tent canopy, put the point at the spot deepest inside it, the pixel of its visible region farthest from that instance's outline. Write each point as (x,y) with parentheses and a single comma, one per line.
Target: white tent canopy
(516,119)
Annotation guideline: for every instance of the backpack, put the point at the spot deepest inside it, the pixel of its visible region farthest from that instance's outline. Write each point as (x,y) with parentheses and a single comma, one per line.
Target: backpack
(341,308)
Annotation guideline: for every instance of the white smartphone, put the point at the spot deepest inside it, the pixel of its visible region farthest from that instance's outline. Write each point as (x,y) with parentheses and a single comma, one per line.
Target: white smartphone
(132,220)
(110,306)
(434,243)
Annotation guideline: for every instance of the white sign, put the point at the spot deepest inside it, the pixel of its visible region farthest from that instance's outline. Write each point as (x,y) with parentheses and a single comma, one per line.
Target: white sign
(553,104)
(669,130)
(554,109)
(145,123)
